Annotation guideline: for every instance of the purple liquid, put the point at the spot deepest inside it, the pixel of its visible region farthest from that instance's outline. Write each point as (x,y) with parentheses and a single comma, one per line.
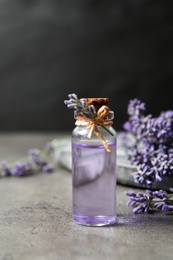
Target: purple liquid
(94,184)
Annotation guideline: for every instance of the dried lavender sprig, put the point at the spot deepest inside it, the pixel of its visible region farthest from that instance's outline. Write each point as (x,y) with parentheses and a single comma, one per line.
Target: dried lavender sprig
(80,107)
(34,162)
(151,201)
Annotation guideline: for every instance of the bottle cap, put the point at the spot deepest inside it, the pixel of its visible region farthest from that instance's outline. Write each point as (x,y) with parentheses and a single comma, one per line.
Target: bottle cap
(96,102)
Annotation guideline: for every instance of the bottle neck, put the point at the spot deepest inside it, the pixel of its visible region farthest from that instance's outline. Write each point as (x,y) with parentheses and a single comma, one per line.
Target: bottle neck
(103,118)
(108,117)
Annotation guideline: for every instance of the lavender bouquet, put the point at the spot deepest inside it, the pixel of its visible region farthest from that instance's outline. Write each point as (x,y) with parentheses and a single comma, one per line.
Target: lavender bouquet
(148,142)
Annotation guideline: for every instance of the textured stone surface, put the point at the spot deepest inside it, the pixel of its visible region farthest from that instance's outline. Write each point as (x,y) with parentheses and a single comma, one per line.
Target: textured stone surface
(115,49)
(36,222)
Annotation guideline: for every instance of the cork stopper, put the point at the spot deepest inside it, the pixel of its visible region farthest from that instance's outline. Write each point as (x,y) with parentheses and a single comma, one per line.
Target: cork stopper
(97,102)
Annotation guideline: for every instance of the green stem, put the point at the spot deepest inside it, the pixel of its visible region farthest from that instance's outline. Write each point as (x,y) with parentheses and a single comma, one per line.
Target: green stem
(107,130)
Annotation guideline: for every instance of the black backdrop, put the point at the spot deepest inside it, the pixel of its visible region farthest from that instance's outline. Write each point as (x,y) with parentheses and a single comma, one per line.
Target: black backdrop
(119,49)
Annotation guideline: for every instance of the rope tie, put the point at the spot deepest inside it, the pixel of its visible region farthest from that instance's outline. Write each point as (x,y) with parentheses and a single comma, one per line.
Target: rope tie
(92,124)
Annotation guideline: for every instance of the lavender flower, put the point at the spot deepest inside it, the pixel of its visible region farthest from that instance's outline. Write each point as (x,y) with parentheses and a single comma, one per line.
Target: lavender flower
(47,168)
(149,143)
(80,106)
(150,201)
(35,157)
(73,102)
(145,175)
(21,169)
(136,107)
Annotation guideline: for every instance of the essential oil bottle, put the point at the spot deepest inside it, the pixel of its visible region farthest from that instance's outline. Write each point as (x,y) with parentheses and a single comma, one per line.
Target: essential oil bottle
(94,169)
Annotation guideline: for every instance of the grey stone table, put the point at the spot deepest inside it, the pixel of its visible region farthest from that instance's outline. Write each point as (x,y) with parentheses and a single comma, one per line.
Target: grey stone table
(36,221)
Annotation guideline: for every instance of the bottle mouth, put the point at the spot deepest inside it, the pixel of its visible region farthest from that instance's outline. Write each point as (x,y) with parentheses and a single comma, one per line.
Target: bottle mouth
(109,116)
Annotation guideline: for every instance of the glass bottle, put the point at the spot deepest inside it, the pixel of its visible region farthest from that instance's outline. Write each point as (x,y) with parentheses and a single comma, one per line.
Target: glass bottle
(94,176)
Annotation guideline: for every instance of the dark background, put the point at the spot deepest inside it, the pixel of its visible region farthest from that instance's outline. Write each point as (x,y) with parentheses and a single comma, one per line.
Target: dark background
(119,49)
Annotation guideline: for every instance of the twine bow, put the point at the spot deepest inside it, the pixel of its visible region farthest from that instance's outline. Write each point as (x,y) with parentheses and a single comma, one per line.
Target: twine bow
(92,124)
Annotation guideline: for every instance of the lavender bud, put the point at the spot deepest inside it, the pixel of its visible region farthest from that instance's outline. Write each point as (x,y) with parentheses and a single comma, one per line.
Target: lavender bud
(130,193)
(83,101)
(21,169)
(73,96)
(47,168)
